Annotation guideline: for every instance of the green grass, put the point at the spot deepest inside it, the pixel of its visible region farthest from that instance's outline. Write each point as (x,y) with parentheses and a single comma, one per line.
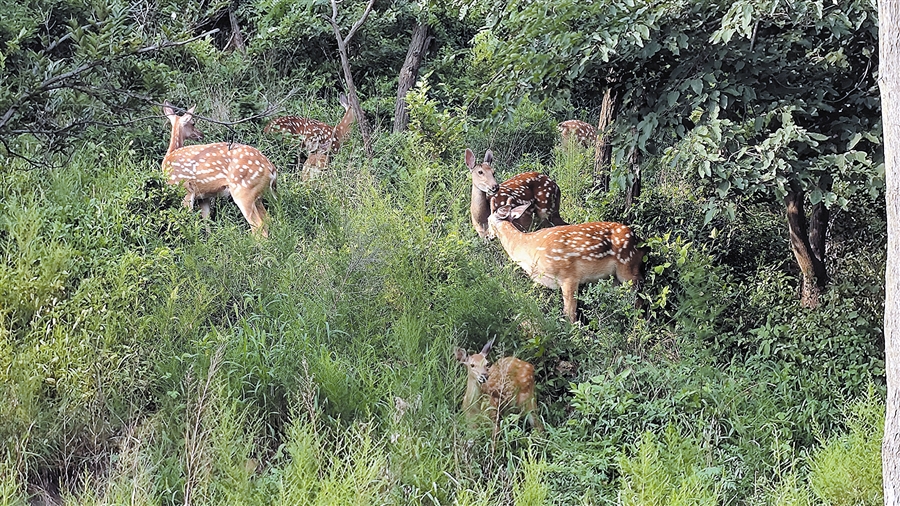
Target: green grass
(146,360)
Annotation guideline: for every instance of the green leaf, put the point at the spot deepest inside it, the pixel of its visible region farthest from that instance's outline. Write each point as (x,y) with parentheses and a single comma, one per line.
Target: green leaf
(710,214)
(815,196)
(723,188)
(672,97)
(697,85)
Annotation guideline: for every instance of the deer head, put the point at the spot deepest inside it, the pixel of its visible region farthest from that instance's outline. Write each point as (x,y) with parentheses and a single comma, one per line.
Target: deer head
(483,184)
(210,170)
(579,131)
(528,187)
(568,256)
(506,386)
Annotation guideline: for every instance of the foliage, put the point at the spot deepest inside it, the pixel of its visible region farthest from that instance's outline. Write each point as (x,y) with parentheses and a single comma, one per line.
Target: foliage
(668,472)
(847,468)
(71,67)
(150,357)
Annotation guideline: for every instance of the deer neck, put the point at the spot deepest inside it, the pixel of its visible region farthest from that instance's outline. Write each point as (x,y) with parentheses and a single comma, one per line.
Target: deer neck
(342,130)
(176,141)
(480,209)
(472,397)
(515,242)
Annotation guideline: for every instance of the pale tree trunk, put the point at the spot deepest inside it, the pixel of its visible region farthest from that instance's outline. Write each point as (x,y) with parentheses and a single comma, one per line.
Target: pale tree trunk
(603,148)
(364,130)
(409,73)
(889,83)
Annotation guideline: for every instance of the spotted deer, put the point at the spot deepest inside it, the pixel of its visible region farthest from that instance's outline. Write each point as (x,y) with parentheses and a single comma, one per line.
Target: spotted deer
(579,131)
(494,390)
(569,256)
(319,139)
(531,187)
(208,171)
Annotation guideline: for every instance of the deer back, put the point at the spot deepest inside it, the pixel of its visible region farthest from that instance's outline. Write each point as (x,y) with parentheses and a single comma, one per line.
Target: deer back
(530,187)
(220,168)
(317,136)
(580,253)
(582,132)
(510,384)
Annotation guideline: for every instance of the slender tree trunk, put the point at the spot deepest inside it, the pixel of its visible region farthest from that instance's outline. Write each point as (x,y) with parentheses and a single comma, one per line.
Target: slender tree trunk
(818,222)
(889,83)
(634,186)
(812,267)
(236,41)
(409,73)
(603,149)
(364,129)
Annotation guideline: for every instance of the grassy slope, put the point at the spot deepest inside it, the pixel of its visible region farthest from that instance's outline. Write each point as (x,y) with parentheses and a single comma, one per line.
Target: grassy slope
(146,360)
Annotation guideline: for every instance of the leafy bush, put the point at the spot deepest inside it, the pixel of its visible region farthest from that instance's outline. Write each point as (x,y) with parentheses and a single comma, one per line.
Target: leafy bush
(847,468)
(672,471)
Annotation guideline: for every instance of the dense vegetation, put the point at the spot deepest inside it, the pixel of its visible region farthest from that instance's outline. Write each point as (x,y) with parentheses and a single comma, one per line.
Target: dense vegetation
(148,357)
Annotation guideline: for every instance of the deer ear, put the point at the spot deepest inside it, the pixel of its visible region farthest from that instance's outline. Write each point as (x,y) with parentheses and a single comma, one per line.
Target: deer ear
(488,156)
(344,100)
(461,355)
(517,212)
(470,159)
(169,112)
(487,347)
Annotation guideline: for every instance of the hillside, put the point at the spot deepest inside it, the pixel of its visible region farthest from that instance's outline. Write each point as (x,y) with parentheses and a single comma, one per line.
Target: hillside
(149,356)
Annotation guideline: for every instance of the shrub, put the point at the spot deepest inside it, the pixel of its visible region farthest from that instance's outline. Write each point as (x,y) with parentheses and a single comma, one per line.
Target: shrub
(670,472)
(846,470)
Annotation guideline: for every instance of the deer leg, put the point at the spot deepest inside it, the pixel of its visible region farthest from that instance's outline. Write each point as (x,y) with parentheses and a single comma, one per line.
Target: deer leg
(570,305)
(556,219)
(205,208)
(532,414)
(251,213)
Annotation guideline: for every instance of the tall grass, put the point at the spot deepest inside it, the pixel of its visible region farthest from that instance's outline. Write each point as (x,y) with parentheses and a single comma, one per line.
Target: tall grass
(146,360)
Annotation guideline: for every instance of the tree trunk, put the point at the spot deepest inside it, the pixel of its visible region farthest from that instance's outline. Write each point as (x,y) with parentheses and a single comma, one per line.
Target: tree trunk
(889,83)
(364,130)
(603,149)
(818,222)
(812,267)
(409,73)
(236,41)
(634,186)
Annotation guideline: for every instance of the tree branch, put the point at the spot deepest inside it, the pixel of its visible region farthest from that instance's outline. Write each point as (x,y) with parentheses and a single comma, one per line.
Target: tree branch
(55,82)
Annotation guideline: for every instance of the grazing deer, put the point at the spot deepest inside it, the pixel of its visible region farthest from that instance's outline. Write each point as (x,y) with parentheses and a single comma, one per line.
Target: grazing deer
(216,170)
(528,187)
(320,140)
(572,255)
(506,386)
(580,131)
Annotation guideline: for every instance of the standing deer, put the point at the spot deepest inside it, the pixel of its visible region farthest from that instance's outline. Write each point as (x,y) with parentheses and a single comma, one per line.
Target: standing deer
(506,386)
(580,131)
(216,170)
(528,187)
(572,255)
(320,140)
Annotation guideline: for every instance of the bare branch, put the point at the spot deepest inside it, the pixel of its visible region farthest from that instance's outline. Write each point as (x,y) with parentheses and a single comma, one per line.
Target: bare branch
(359,23)
(55,82)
